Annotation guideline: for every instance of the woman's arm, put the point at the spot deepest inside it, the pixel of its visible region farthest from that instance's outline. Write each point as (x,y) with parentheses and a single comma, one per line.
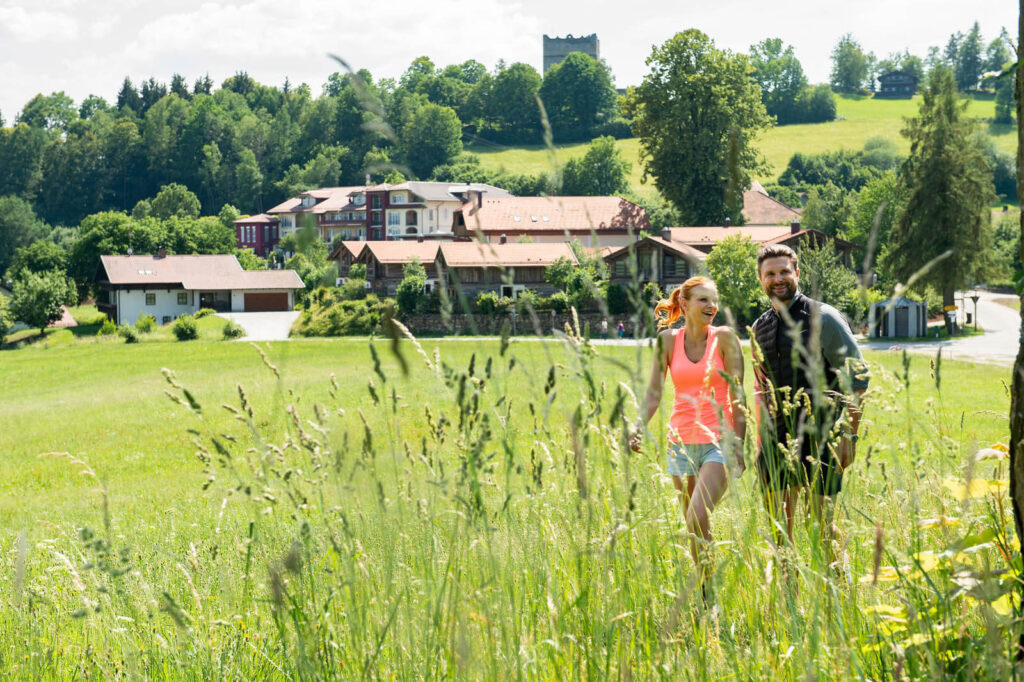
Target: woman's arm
(652,398)
(732,358)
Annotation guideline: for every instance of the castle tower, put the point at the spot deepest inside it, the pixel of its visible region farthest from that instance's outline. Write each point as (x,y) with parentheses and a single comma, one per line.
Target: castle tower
(557,49)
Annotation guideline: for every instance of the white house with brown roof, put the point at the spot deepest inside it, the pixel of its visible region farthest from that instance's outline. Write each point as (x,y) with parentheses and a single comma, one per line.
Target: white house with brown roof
(594,221)
(168,287)
(505,269)
(334,212)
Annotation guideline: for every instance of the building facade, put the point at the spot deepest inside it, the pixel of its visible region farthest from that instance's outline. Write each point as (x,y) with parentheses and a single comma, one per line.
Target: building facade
(557,49)
(258,232)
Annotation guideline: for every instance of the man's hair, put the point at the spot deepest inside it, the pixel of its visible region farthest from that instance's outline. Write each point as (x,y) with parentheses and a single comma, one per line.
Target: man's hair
(775,251)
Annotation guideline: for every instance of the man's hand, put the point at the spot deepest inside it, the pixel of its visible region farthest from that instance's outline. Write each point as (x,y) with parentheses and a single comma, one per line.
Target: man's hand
(847,452)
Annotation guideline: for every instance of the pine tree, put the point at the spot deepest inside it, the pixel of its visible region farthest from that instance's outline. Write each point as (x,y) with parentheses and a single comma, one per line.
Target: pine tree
(949,189)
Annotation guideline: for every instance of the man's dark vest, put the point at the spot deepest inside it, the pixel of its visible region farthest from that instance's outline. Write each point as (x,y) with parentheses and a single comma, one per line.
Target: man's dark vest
(781,365)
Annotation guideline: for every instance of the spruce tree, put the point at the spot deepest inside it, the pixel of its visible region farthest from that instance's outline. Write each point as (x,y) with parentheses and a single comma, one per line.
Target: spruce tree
(949,189)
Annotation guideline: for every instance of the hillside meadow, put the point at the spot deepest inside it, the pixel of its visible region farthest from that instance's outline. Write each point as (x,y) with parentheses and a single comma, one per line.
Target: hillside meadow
(466,509)
(859,119)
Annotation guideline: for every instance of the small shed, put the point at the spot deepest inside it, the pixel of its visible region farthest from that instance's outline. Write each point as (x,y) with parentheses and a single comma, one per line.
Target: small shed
(898,318)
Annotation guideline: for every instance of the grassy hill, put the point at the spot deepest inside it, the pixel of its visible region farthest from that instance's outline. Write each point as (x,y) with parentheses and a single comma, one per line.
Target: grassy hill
(860,118)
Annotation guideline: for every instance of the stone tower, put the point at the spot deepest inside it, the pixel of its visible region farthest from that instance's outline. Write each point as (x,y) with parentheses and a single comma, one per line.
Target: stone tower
(557,49)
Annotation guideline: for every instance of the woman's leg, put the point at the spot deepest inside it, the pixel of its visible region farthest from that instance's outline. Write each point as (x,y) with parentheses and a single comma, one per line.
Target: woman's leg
(708,488)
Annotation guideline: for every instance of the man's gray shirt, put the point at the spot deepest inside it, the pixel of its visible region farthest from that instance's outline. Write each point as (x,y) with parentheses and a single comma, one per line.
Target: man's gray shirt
(840,348)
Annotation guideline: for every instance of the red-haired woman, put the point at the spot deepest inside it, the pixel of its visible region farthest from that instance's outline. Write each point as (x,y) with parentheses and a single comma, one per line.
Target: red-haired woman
(706,365)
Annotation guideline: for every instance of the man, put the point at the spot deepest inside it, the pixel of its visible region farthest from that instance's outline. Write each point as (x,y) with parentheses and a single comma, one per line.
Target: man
(810,377)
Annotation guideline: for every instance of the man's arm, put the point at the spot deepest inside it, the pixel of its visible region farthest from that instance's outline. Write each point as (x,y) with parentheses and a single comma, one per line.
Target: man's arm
(842,352)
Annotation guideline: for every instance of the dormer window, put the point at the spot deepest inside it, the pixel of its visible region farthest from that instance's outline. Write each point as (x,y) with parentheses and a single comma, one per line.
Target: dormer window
(398,197)
(308,201)
(359,199)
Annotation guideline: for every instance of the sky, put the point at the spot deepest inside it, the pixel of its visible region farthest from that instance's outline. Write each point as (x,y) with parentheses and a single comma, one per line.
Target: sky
(84,47)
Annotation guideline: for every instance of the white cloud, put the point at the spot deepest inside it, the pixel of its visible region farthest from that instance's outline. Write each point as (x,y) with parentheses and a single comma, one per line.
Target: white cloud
(28,26)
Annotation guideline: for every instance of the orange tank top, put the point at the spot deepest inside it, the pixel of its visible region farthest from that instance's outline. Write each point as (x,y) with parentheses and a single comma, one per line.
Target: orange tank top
(702,393)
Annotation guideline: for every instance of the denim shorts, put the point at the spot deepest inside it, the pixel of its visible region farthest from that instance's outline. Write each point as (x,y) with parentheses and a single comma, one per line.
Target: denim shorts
(686,459)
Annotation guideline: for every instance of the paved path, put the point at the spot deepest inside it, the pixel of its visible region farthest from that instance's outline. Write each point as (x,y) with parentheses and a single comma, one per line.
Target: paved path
(264,326)
(997,345)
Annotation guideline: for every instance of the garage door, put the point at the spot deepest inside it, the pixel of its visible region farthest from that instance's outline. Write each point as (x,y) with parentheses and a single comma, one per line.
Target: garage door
(256,303)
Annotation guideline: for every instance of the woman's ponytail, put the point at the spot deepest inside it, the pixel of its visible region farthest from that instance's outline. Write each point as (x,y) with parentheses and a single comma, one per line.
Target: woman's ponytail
(668,310)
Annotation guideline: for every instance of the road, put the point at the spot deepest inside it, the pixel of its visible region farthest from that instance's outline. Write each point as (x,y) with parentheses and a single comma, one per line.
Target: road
(998,345)
(264,326)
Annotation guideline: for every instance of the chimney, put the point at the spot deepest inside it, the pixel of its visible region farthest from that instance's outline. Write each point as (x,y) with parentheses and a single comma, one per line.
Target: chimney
(479,199)
(794,227)
(161,252)
(503,239)
(728,221)
(666,233)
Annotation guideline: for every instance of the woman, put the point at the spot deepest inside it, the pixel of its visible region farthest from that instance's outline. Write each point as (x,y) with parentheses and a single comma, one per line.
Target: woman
(706,365)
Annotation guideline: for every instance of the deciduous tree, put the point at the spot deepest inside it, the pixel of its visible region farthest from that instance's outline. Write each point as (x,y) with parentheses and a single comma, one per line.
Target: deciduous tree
(849,66)
(36,299)
(693,99)
(732,264)
(600,172)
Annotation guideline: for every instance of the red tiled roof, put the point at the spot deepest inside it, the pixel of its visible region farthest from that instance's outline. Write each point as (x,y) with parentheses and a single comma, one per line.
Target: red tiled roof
(330,199)
(400,251)
(258,218)
(210,272)
(761,209)
(469,254)
(695,236)
(354,248)
(554,214)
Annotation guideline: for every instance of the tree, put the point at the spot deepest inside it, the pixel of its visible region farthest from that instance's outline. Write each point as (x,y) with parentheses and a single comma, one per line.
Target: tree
(849,66)
(949,189)
(128,97)
(512,102)
(249,181)
(409,295)
(175,200)
(732,264)
(40,256)
(781,77)
(1004,99)
(433,137)
(36,299)
(249,260)
(882,200)
(826,279)
(828,209)
(55,112)
(601,172)
(6,319)
(578,95)
(19,227)
(684,112)
(969,60)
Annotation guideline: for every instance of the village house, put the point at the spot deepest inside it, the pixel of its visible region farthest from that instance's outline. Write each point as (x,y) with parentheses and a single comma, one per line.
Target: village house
(409,210)
(503,268)
(344,254)
(897,85)
(168,287)
(257,232)
(416,210)
(594,221)
(704,239)
(385,263)
(760,208)
(659,259)
(333,211)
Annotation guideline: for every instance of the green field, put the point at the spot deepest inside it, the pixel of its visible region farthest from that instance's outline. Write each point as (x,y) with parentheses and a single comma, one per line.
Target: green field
(475,518)
(859,119)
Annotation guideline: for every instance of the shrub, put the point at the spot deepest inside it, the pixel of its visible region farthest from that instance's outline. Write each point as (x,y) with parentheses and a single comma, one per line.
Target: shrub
(617,300)
(108,328)
(128,333)
(202,312)
(185,327)
(558,301)
(528,299)
(145,323)
(652,293)
(489,303)
(233,330)
(354,289)
(345,317)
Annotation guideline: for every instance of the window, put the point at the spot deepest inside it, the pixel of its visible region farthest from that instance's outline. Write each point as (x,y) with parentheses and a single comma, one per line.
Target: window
(376,218)
(182,298)
(411,218)
(375,201)
(398,197)
(150,299)
(165,319)
(430,215)
(394,218)
(358,199)
(266,233)
(620,267)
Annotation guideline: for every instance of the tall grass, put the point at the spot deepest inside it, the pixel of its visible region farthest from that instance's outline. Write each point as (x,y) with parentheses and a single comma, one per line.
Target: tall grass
(473,512)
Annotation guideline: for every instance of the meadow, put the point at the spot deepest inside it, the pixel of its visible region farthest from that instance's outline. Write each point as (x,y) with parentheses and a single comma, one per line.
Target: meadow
(859,119)
(467,509)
